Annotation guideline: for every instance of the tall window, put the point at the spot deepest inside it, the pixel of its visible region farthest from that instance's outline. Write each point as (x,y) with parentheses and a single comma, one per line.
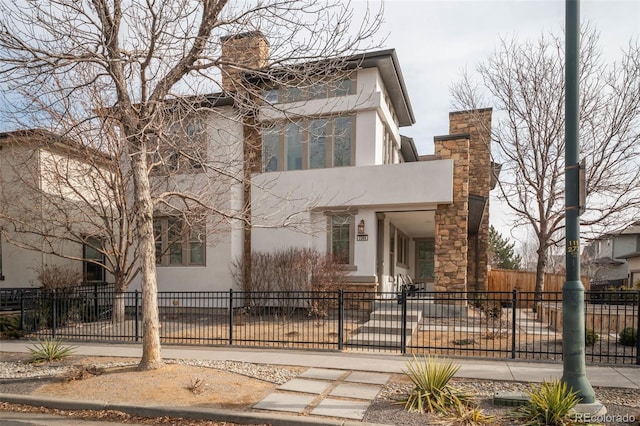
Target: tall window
(293,137)
(308,144)
(342,141)
(94,259)
(317,144)
(425,250)
(403,249)
(341,233)
(271,150)
(178,244)
(392,250)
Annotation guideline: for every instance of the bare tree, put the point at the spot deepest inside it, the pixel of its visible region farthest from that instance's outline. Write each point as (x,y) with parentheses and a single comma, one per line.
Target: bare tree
(142,58)
(525,83)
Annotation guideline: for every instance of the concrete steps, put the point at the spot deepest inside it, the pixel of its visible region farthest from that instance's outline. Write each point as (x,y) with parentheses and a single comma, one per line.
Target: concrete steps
(384,328)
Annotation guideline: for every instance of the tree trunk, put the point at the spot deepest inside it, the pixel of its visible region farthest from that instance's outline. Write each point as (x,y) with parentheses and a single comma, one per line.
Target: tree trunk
(151,353)
(541,265)
(119,301)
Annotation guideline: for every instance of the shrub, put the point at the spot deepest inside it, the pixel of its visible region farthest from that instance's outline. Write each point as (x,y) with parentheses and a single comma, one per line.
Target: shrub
(10,327)
(54,277)
(628,337)
(289,270)
(590,337)
(550,403)
(432,392)
(50,349)
(60,281)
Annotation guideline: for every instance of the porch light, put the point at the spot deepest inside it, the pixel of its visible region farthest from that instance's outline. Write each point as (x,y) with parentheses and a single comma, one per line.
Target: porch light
(361,227)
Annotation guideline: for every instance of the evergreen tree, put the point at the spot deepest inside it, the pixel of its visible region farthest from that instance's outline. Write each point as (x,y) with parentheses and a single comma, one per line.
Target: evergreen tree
(501,251)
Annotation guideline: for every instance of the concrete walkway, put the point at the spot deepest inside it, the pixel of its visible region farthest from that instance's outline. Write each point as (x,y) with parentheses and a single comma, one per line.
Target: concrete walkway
(337,385)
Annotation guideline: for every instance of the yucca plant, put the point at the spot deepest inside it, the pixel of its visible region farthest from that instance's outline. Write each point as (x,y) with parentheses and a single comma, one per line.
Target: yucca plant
(50,349)
(550,403)
(465,415)
(432,392)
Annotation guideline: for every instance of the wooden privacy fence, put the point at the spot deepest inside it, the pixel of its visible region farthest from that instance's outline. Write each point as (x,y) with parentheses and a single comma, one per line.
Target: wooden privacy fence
(506,280)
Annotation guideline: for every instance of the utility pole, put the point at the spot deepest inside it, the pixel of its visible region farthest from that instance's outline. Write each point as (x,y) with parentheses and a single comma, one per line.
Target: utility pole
(573,330)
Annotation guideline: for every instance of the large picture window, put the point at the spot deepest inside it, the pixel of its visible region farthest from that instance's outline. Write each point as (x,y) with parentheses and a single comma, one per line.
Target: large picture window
(308,144)
(178,244)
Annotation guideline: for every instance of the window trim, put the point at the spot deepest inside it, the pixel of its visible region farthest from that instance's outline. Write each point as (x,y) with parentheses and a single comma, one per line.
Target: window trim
(185,241)
(352,229)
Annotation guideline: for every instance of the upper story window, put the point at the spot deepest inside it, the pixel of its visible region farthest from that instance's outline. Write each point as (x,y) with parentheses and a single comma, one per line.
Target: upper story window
(182,148)
(308,144)
(318,90)
(178,243)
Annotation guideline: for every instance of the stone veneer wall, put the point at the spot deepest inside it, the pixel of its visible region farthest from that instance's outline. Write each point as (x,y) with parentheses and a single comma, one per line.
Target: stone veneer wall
(242,52)
(477,124)
(451,219)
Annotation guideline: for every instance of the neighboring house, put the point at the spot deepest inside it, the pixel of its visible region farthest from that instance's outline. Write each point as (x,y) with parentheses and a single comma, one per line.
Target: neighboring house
(343,172)
(43,202)
(615,256)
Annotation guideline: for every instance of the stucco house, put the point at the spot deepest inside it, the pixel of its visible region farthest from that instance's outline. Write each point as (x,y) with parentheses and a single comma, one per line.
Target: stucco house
(615,256)
(45,183)
(342,168)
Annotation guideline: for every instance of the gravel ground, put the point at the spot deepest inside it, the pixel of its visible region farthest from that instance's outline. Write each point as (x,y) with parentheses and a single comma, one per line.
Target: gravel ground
(20,377)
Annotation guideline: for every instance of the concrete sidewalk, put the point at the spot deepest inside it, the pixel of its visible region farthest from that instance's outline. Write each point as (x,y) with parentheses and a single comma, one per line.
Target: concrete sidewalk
(510,370)
(322,389)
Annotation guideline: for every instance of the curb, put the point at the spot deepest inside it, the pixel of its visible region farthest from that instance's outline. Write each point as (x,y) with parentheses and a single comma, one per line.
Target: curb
(184,412)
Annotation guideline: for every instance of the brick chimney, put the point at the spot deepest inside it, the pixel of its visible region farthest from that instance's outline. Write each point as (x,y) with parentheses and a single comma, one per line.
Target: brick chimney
(241,52)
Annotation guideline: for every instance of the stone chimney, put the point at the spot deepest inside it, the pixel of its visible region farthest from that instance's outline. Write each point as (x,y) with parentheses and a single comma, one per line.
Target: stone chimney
(242,52)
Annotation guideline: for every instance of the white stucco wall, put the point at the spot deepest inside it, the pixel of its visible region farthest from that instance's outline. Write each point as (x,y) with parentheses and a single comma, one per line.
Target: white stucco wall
(220,188)
(288,207)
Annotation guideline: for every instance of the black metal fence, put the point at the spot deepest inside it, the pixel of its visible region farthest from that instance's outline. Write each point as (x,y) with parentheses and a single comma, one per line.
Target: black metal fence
(507,325)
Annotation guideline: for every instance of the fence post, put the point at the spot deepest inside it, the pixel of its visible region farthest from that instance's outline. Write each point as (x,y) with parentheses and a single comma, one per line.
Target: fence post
(22,311)
(403,336)
(230,317)
(54,308)
(514,303)
(136,315)
(340,318)
(95,301)
(638,332)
